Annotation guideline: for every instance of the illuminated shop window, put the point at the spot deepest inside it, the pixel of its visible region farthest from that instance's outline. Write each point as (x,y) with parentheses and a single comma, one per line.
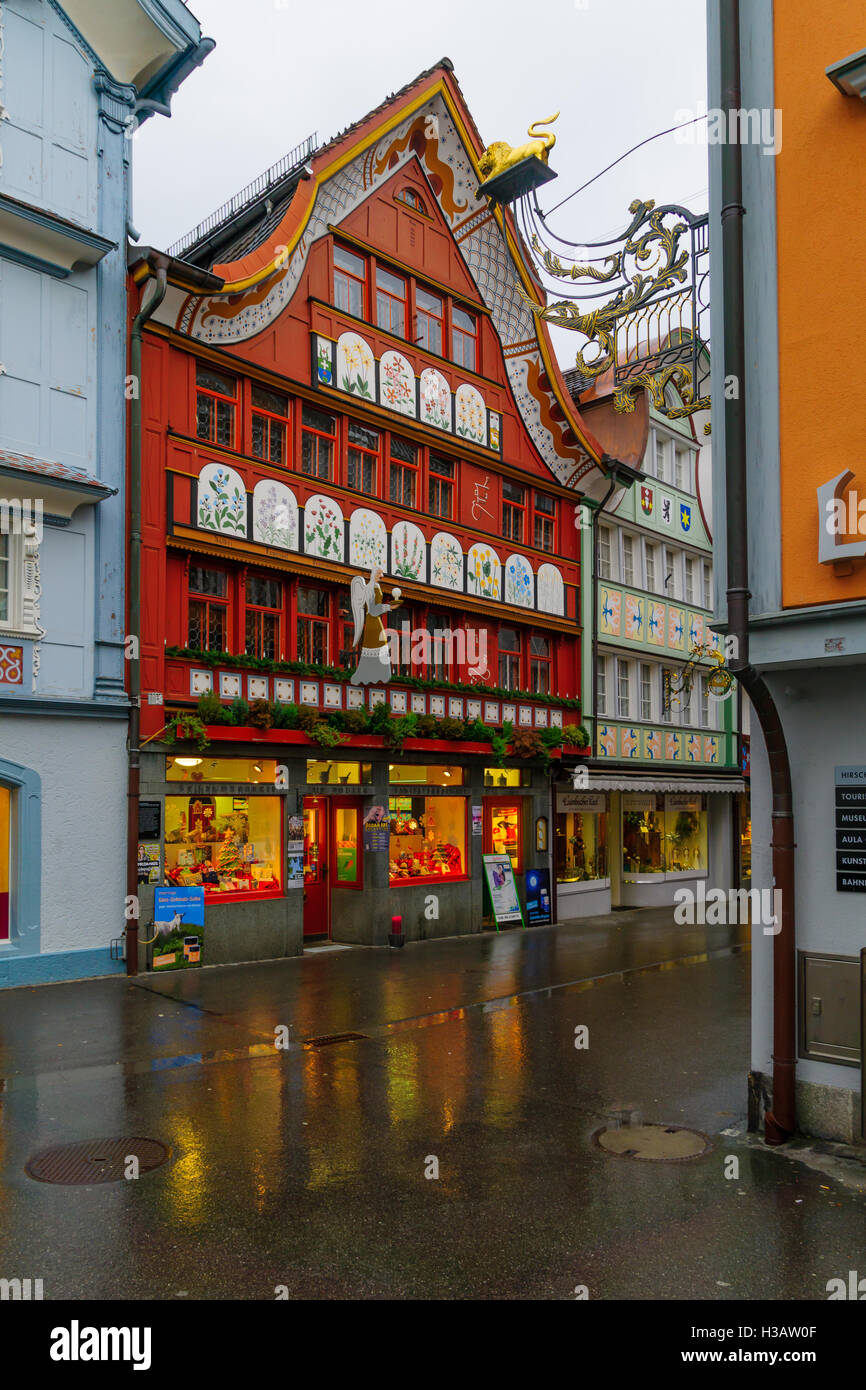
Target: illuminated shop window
(428,838)
(580,846)
(231,845)
(507,777)
(424,775)
(686,834)
(347,844)
(346,774)
(203,769)
(505,833)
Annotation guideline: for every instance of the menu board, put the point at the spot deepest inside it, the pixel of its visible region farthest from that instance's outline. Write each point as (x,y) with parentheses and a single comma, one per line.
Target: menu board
(502,888)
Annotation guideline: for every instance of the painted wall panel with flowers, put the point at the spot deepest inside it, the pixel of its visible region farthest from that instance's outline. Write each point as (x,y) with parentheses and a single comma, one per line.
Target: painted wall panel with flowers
(368,539)
(484,572)
(323,528)
(275,515)
(435,400)
(397,384)
(446,562)
(518,581)
(356,366)
(470,414)
(408,551)
(221,502)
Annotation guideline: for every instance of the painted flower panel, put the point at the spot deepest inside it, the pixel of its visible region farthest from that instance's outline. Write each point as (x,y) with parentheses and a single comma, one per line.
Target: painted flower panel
(634,617)
(673,747)
(693,748)
(607,741)
(484,572)
(446,562)
(408,551)
(655,632)
(323,528)
(652,745)
(435,400)
(550,588)
(397,384)
(368,539)
(711,750)
(630,742)
(471,414)
(696,630)
(221,503)
(275,515)
(518,581)
(676,628)
(356,366)
(610,617)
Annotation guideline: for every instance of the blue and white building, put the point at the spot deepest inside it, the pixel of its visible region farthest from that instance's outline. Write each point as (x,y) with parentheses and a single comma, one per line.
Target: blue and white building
(75,79)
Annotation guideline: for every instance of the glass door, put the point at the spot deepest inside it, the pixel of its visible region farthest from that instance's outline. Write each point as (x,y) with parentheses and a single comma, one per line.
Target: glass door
(5,855)
(316,915)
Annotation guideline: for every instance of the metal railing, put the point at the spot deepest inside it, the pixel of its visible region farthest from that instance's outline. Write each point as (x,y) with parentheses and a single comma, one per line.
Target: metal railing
(248,195)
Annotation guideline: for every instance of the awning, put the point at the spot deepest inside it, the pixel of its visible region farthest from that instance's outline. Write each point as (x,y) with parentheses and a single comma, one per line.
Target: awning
(662,784)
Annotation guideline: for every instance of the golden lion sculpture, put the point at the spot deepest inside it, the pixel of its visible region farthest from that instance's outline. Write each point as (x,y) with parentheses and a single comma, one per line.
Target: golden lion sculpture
(499,156)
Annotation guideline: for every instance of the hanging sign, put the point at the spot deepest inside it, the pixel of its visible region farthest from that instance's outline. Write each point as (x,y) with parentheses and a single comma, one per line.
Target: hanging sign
(178,924)
(537,897)
(851,829)
(502,888)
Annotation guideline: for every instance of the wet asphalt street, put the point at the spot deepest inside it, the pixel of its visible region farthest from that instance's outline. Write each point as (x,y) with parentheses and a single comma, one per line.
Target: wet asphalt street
(307,1167)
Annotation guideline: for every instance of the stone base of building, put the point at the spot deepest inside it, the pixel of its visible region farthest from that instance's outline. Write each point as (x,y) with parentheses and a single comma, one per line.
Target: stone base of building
(823,1112)
(55,967)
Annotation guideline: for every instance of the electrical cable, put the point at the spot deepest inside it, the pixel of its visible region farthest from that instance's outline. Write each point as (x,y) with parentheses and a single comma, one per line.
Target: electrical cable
(639,145)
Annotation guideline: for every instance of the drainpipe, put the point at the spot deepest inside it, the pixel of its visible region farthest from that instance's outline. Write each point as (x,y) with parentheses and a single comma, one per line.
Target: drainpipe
(780,1122)
(134,612)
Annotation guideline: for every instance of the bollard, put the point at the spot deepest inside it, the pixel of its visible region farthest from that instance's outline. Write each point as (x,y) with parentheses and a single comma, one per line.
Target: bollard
(395,935)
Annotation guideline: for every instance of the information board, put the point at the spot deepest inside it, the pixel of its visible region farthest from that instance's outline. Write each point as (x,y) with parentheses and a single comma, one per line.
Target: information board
(851,829)
(502,889)
(178,923)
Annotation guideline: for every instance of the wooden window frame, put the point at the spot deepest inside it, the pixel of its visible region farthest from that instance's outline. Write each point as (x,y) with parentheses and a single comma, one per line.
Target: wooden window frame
(543,520)
(271,418)
(535,662)
(439,482)
(309,621)
(512,509)
(345,803)
(207,601)
(263,611)
(318,435)
(349,276)
(460,335)
(392,299)
(367,453)
(433,318)
(495,805)
(415,469)
(208,393)
(518,656)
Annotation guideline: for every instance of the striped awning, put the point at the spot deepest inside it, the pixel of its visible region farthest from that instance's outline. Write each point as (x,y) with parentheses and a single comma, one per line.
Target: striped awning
(600,783)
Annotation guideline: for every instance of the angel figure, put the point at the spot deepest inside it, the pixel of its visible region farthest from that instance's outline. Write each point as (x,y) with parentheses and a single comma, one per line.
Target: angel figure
(374,666)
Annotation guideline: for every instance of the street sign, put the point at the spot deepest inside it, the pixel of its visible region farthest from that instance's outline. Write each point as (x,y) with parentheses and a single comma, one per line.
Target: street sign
(851,829)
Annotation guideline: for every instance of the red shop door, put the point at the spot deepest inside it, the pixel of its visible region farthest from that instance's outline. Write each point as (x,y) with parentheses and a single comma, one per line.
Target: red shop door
(316,887)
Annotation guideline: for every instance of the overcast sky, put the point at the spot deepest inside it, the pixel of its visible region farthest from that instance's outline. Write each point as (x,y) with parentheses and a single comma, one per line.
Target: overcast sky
(618,70)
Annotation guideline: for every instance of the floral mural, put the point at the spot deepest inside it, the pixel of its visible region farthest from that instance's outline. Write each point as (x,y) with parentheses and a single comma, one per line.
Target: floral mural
(323,528)
(435,399)
(655,632)
(396,383)
(634,617)
(676,630)
(368,540)
(221,504)
(611,611)
(446,561)
(471,414)
(518,581)
(484,577)
(408,551)
(275,515)
(356,366)
(551,593)
(652,745)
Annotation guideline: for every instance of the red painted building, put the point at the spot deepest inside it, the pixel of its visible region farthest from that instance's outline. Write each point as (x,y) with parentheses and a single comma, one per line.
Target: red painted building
(345,373)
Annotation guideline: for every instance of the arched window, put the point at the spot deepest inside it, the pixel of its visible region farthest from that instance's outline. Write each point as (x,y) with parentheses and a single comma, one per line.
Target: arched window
(411,199)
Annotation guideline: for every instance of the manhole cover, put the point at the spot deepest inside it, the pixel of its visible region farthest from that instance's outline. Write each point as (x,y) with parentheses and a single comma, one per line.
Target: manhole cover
(661,1143)
(94,1160)
(327,1038)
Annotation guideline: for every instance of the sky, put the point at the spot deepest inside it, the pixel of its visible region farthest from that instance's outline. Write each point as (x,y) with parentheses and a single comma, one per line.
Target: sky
(617,70)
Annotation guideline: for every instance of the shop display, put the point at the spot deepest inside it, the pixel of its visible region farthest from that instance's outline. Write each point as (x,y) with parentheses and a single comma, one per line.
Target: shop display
(428,838)
(225,850)
(580,837)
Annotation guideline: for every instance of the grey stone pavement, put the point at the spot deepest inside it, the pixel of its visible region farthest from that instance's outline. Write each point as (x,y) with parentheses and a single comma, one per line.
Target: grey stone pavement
(306,1167)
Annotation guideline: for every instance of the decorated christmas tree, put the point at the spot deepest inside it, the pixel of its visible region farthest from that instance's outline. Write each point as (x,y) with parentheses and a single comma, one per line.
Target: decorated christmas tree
(228,860)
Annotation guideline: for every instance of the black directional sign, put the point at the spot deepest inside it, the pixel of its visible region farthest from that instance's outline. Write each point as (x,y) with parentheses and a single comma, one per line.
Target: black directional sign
(851,829)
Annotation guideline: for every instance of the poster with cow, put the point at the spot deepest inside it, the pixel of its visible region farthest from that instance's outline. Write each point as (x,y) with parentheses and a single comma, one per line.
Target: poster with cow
(178,926)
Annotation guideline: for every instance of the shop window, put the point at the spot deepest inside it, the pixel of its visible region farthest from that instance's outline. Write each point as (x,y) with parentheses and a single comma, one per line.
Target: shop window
(215,405)
(327,772)
(318,444)
(505,831)
(507,777)
(314,609)
(264,608)
(425,775)
(270,424)
(429,321)
(440,490)
(544,523)
(207,609)
(428,838)
(362,466)
(580,840)
(391,302)
(686,834)
(540,664)
(464,339)
(347,846)
(232,845)
(350,282)
(513,511)
(403,475)
(643,834)
(411,199)
(258,771)
(509,658)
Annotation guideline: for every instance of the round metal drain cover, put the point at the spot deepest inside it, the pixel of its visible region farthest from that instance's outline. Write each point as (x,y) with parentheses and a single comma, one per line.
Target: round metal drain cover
(94,1160)
(658,1143)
